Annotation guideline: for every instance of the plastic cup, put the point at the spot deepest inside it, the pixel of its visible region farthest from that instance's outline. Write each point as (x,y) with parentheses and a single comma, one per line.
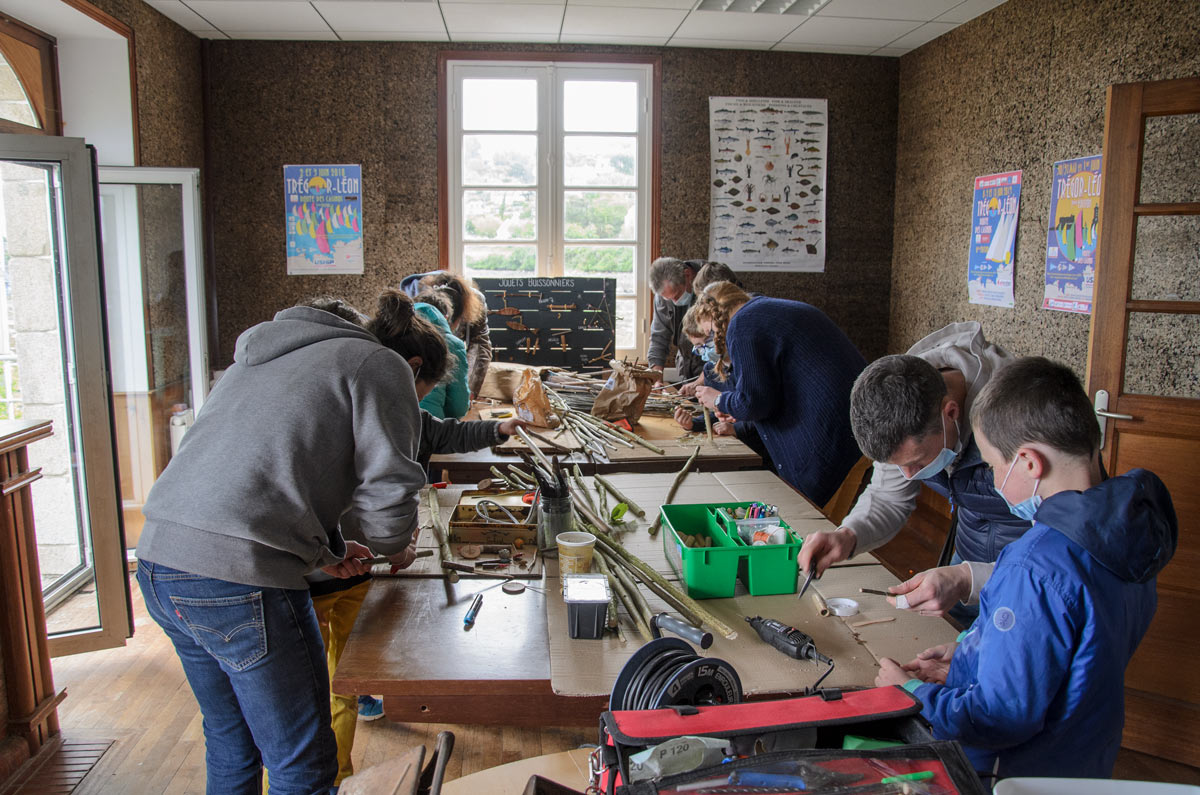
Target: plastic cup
(575,552)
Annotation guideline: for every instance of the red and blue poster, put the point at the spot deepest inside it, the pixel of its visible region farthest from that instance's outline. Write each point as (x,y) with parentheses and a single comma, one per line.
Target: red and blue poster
(1074,231)
(324,219)
(994,215)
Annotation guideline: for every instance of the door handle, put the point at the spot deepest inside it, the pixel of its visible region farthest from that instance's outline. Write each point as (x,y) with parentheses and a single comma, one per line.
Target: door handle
(1103,414)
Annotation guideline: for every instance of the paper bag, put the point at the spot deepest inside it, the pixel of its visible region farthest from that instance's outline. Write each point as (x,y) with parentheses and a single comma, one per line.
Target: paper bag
(530,401)
(503,378)
(624,394)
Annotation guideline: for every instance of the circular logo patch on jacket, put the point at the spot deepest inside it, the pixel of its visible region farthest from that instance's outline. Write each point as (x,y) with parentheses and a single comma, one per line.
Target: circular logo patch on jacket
(1004,619)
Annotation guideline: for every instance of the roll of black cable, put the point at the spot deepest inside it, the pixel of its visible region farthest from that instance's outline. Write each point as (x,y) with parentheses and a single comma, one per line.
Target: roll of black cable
(667,672)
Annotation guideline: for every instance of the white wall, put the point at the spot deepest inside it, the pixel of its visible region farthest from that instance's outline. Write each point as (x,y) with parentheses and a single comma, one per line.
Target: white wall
(97,106)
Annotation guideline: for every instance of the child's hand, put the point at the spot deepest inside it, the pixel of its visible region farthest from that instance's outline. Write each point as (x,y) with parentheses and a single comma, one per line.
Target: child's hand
(933,592)
(689,389)
(351,565)
(683,417)
(405,557)
(932,665)
(724,429)
(509,427)
(707,395)
(723,417)
(890,673)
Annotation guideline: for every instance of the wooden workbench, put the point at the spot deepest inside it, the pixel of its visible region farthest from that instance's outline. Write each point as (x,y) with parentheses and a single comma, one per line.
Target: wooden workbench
(410,647)
(723,454)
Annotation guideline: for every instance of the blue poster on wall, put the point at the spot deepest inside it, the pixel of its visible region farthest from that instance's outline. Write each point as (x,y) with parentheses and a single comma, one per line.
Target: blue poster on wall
(324,219)
(994,214)
(1073,235)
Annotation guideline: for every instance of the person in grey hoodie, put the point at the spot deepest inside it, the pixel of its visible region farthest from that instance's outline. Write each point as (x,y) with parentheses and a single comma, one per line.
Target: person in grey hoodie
(312,432)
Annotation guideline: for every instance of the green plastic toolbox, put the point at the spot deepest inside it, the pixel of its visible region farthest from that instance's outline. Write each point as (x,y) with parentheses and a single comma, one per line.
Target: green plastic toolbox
(712,572)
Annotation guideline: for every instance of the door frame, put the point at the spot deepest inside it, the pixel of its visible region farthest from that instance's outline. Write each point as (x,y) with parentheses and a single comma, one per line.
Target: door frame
(87,360)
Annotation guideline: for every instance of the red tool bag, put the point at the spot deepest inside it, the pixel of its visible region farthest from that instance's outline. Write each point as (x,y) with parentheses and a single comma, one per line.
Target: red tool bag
(778,738)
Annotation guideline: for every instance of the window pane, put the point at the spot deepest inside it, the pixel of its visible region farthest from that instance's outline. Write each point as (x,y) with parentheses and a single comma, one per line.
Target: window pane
(499,105)
(600,215)
(499,214)
(596,106)
(14,103)
(496,262)
(611,262)
(599,161)
(626,315)
(499,159)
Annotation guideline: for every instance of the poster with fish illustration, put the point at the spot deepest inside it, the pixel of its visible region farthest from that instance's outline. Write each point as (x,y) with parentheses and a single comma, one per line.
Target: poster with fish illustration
(323,207)
(1074,231)
(768,183)
(994,214)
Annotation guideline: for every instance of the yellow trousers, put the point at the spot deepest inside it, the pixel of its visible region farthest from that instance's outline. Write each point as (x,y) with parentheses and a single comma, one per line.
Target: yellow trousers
(336,613)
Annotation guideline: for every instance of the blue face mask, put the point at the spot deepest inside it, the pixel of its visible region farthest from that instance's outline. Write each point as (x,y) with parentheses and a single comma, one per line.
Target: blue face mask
(1026,508)
(941,460)
(683,300)
(706,351)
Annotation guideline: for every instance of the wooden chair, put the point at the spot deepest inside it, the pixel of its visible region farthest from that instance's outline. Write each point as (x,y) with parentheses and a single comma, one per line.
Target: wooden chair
(843,499)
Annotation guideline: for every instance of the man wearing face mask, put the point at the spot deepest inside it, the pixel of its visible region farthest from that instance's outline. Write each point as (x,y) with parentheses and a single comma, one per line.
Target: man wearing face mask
(671,283)
(910,415)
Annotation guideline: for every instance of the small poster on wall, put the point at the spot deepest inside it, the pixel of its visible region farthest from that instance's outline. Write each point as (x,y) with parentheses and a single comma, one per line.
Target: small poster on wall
(323,206)
(768,183)
(1074,231)
(994,216)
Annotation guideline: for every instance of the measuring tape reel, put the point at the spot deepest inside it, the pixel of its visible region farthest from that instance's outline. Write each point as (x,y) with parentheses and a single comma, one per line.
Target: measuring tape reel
(667,672)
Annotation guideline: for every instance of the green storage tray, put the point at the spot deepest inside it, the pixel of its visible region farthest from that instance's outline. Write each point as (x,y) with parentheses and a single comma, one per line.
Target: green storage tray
(713,572)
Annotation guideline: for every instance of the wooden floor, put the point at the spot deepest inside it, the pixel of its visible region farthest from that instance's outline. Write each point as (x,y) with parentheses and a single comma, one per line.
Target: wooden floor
(137,696)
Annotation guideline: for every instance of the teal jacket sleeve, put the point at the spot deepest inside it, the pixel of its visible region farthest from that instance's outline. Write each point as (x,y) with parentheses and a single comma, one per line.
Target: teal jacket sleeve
(458,395)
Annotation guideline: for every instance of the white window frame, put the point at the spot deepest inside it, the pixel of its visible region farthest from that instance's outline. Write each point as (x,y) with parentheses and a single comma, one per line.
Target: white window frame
(551,77)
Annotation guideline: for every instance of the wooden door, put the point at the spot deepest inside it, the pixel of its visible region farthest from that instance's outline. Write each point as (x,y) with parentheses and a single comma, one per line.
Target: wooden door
(1144,354)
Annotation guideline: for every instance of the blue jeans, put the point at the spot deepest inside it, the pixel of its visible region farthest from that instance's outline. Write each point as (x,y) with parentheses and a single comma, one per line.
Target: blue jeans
(254,659)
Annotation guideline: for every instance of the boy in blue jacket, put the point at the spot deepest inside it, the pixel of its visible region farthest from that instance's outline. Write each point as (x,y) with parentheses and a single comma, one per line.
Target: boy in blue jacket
(1035,687)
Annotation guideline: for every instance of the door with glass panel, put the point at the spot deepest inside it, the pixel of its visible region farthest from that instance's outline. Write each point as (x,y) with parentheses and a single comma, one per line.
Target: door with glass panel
(54,359)
(154,292)
(549,175)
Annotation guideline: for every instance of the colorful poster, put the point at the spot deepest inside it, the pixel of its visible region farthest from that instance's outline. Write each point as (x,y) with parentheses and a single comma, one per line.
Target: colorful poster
(993,239)
(1074,231)
(768,183)
(324,219)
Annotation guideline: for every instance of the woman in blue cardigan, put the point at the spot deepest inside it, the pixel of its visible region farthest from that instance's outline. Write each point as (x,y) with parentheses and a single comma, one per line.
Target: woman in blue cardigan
(792,370)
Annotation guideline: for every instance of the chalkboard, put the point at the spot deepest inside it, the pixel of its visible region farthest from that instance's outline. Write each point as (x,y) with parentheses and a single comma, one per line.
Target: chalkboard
(566,322)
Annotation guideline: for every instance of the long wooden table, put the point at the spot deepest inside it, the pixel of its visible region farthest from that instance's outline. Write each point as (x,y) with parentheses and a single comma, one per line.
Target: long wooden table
(410,647)
(723,454)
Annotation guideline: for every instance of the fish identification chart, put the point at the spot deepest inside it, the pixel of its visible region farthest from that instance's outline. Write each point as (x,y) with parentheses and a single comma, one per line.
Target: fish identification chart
(768,183)
(324,219)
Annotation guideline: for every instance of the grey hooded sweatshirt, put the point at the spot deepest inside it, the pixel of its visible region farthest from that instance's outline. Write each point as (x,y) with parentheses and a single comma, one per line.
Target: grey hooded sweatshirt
(315,424)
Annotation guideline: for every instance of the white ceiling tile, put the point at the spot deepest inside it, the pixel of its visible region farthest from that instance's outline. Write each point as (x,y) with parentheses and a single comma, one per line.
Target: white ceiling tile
(683,5)
(261,16)
(619,22)
(510,38)
(921,10)
(721,44)
(926,33)
(587,38)
(965,12)
(283,35)
(502,20)
(180,14)
(385,35)
(843,30)
(841,49)
(893,52)
(381,17)
(733,26)
(559,3)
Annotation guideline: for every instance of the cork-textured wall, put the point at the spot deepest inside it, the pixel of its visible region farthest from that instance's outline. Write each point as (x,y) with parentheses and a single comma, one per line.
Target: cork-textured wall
(375,103)
(1017,88)
(169,87)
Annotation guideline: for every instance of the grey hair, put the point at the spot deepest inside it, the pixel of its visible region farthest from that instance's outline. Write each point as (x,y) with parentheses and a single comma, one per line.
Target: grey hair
(1036,400)
(667,269)
(896,398)
(711,273)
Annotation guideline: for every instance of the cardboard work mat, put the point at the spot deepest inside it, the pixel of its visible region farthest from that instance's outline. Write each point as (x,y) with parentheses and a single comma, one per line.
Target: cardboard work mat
(589,667)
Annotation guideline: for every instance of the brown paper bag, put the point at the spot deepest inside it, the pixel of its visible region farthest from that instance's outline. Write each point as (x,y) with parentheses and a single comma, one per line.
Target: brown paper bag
(503,378)
(530,401)
(624,394)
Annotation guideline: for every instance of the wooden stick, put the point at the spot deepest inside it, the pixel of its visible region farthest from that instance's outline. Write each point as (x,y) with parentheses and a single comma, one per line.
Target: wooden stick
(647,575)
(858,624)
(613,490)
(674,488)
(619,592)
(633,437)
(537,453)
(639,601)
(822,608)
(549,441)
(435,521)
(708,422)
(877,593)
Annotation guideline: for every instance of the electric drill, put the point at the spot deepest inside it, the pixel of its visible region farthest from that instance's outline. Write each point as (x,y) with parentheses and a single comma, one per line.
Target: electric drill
(788,640)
